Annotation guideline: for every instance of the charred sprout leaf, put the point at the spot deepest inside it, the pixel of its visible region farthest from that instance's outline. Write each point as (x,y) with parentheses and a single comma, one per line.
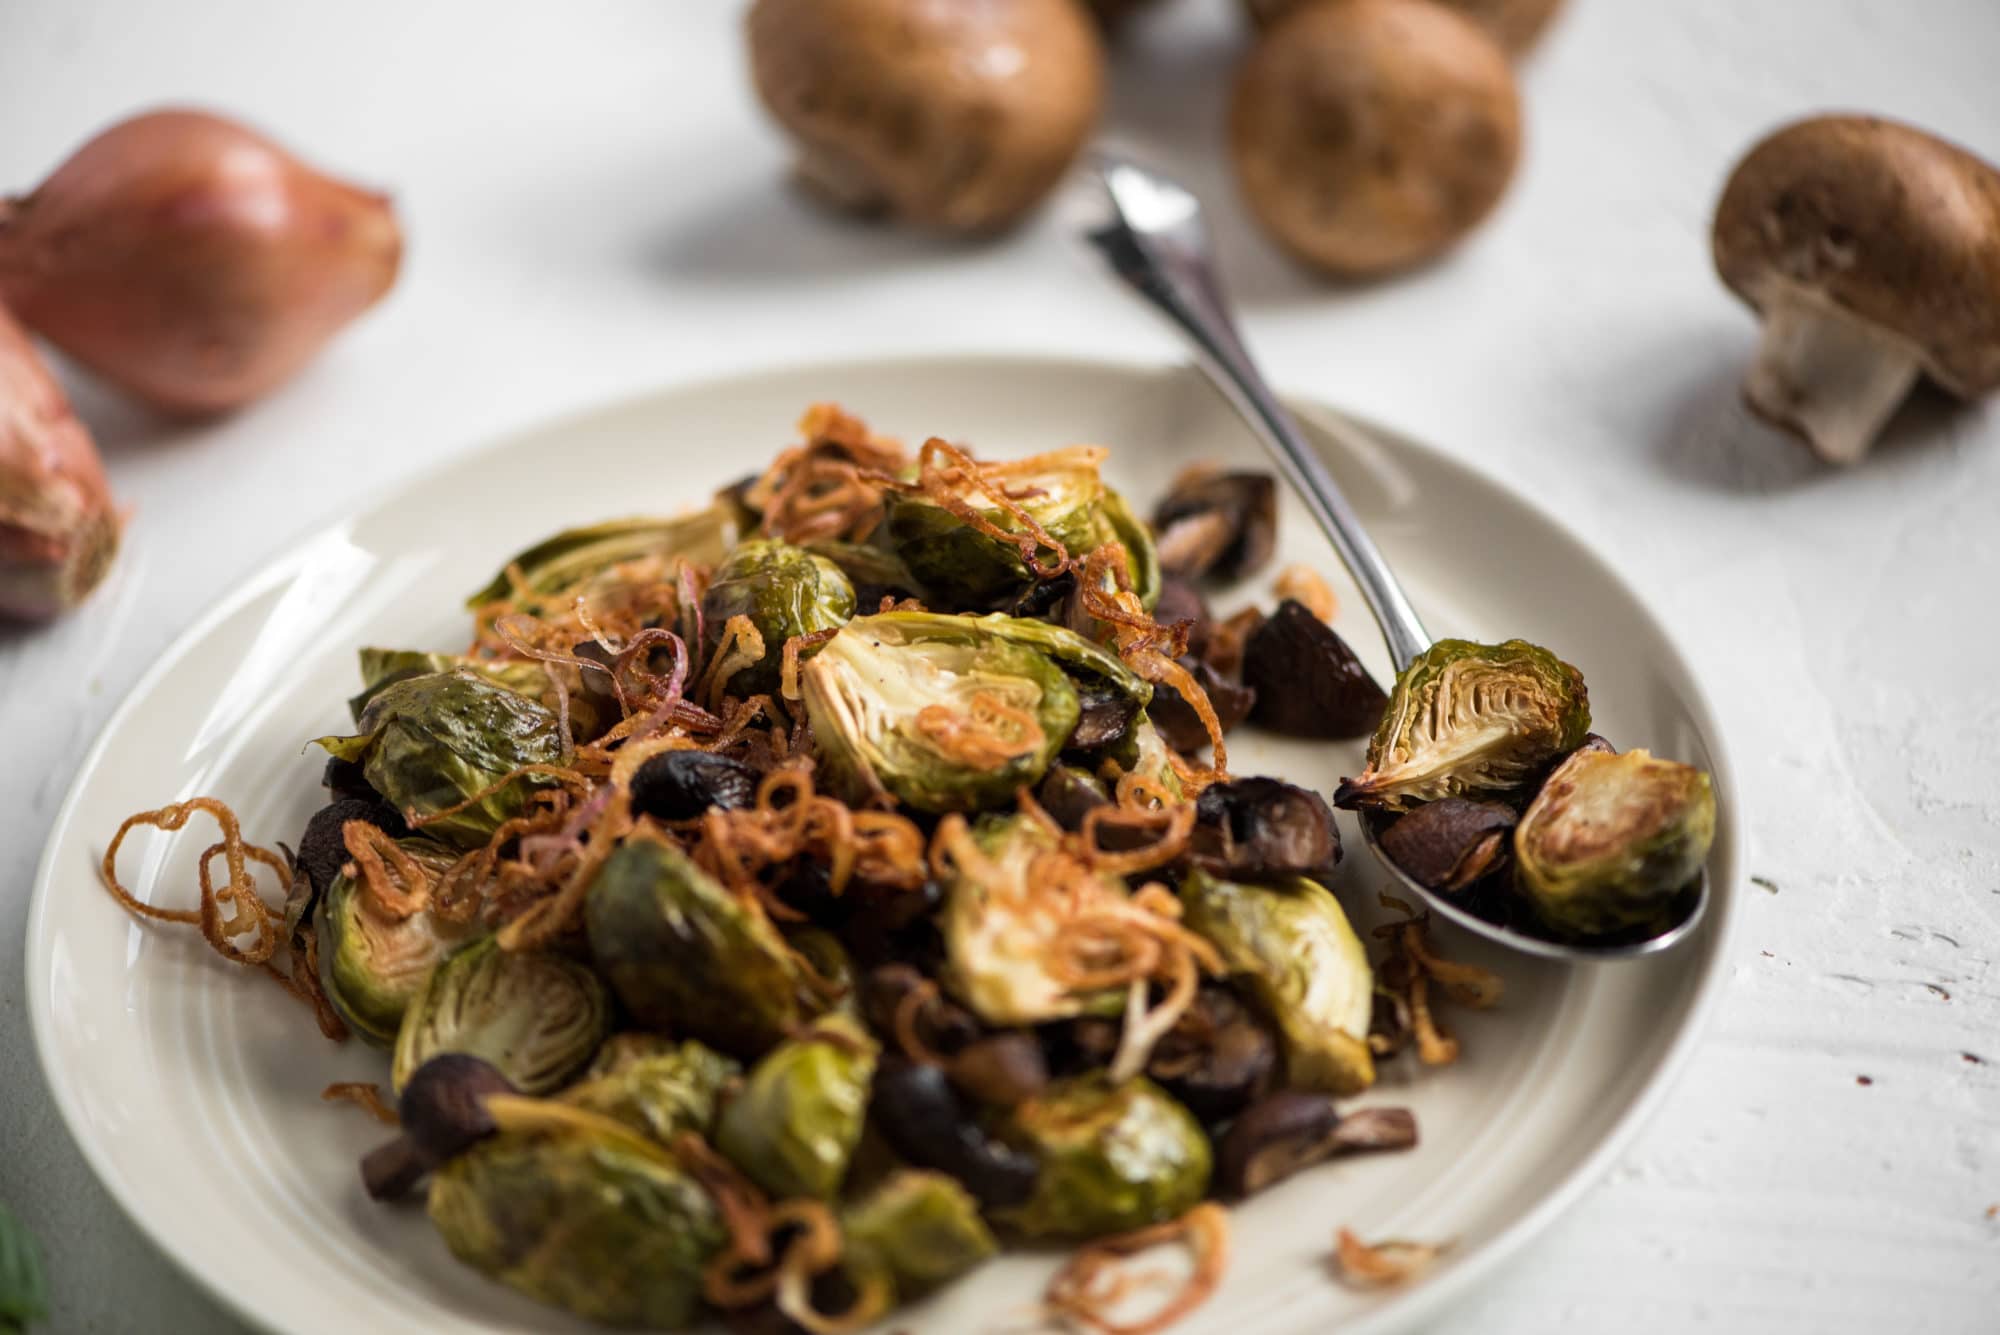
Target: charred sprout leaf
(1611,839)
(535,1018)
(673,1089)
(1292,944)
(1176,718)
(610,1230)
(945,713)
(1450,843)
(1308,682)
(680,785)
(793,1127)
(1000,928)
(1258,828)
(24,1296)
(686,955)
(1113,1158)
(921,1228)
(432,742)
(575,558)
(784,591)
(1467,719)
(1223,525)
(371,964)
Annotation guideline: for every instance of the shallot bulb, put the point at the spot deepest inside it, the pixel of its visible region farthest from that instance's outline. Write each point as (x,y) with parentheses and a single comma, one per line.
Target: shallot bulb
(192,261)
(58,528)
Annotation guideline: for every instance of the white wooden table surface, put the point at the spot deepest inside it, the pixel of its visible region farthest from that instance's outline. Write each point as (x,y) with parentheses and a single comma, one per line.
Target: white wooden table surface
(594,208)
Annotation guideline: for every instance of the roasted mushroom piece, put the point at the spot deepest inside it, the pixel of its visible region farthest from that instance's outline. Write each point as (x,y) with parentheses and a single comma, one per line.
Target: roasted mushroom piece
(1216,1058)
(1181,601)
(443,1114)
(1468,718)
(1259,828)
(927,1123)
(1278,1135)
(954,117)
(1217,525)
(680,785)
(1308,683)
(323,845)
(1450,843)
(536,1018)
(1176,718)
(1870,250)
(1373,135)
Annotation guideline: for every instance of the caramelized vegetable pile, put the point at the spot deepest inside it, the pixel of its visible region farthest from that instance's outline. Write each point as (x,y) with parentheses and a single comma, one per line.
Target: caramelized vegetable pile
(773,908)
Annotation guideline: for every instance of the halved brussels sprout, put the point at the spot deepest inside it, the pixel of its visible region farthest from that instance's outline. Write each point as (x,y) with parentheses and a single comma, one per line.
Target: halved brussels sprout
(1467,719)
(685,954)
(371,965)
(1611,840)
(1140,554)
(946,713)
(920,1228)
(662,1091)
(1293,944)
(875,572)
(1143,751)
(612,1230)
(571,560)
(964,567)
(535,1018)
(793,1127)
(999,931)
(785,591)
(523,676)
(432,742)
(1113,1158)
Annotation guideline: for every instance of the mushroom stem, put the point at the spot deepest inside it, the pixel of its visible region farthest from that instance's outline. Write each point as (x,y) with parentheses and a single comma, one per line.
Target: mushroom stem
(1828,376)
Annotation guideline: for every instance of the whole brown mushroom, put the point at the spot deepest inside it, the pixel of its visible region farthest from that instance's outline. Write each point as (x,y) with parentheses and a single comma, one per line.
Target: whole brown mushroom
(956,117)
(1372,135)
(1515,23)
(1872,251)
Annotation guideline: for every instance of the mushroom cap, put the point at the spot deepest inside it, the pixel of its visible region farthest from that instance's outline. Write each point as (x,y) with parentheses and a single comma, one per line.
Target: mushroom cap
(1516,23)
(953,115)
(1370,135)
(1886,222)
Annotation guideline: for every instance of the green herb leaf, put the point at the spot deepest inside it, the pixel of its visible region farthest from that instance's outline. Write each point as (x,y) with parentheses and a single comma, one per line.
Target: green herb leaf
(22,1296)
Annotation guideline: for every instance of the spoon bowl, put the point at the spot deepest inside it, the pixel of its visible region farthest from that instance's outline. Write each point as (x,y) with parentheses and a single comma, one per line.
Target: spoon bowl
(1157,242)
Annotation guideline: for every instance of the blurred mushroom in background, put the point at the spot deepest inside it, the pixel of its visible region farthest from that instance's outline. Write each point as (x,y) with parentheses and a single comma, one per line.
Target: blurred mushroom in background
(1516,24)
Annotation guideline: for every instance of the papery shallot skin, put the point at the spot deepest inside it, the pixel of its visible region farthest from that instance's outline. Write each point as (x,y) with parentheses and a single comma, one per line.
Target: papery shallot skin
(58,528)
(191,261)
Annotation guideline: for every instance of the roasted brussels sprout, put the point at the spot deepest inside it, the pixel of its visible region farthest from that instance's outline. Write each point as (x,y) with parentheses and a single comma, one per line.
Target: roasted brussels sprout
(793,1127)
(947,713)
(1293,945)
(370,964)
(609,1228)
(536,1018)
(685,954)
(1467,719)
(1450,843)
(1141,558)
(434,742)
(1308,683)
(922,1229)
(660,1093)
(875,572)
(964,567)
(573,559)
(785,591)
(1113,1158)
(523,676)
(999,933)
(1611,840)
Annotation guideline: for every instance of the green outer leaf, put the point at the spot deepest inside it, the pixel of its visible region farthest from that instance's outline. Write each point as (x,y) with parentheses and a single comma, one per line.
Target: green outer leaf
(795,1124)
(785,591)
(685,954)
(427,743)
(568,558)
(964,567)
(1307,967)
(1611,840)
(672,1090)
(24,1296)
(536,1018)
(1113,1158)
(369,990)
(1141,556)
(1467,719)
(381,668)
(920,1228)
(593,1227)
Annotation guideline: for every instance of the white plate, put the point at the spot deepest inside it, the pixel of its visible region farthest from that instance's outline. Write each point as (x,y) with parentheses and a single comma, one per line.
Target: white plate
(193,1086)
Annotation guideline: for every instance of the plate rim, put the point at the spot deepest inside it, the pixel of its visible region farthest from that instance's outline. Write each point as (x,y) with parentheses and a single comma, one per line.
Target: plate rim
(1422,1301)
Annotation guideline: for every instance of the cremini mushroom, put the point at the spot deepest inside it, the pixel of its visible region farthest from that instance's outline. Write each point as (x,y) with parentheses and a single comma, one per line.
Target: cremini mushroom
(957,117)
(1872,252)
(1371,135)
(1516,23)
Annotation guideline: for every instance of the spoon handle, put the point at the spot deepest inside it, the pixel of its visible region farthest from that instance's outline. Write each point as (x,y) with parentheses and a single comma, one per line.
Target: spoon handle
(1157,243)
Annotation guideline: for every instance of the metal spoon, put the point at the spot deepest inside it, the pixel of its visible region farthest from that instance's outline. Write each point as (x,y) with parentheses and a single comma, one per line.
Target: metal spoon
(1157,241)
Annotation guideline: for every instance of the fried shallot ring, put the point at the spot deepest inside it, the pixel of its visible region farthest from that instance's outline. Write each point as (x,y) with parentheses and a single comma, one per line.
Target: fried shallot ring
(1090,1283)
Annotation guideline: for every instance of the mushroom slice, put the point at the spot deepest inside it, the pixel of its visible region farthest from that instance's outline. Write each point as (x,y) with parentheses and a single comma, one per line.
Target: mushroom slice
(1872,252)
(1372,135)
